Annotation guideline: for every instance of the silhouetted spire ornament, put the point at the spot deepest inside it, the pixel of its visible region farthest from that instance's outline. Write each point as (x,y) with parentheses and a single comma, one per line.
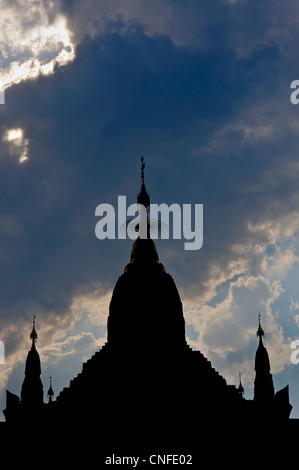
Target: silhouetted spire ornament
(240,388)
(260,331)
(142,169)
(33,334)
(262,363)
(263,384)
(50,391)
(143,196)
(32,387)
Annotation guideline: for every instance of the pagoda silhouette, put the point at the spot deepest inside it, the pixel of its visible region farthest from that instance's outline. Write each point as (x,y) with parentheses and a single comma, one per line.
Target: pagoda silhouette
(146,385)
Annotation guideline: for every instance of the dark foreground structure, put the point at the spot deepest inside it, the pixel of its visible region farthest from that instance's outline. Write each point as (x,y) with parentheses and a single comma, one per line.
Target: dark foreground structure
(146,392)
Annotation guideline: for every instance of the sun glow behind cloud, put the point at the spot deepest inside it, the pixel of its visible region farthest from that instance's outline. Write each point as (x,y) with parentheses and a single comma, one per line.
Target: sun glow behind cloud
(18,144)
(27,52)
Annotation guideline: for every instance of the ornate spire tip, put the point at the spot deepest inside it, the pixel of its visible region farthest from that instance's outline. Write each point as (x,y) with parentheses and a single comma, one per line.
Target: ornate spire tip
(260,331)
(33,334)
(143,197)
(142,170)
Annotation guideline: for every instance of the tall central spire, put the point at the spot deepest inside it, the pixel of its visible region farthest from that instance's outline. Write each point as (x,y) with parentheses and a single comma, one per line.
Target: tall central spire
(144,251)
(145,312)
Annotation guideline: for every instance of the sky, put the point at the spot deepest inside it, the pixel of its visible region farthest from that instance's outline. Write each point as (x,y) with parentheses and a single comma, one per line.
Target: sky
(202,90)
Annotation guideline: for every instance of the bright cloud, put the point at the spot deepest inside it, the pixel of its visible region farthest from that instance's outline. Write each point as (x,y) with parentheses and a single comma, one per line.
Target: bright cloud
(33,39)
(17,144)
(227,331)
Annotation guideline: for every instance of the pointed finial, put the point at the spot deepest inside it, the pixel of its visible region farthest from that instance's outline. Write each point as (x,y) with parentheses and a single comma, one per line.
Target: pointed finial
(143,196)
(260,331)
(240,388)
(33,334)
(142,170)
(50,391)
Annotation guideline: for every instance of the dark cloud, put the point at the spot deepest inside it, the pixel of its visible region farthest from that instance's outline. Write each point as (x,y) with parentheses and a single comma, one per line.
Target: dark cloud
(88,123)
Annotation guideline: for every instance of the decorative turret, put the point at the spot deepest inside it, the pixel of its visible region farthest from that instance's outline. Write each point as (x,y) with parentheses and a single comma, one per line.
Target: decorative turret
(32,388)
(50,391)
(240,388)
(260,331)
(263,384)
(33,334)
